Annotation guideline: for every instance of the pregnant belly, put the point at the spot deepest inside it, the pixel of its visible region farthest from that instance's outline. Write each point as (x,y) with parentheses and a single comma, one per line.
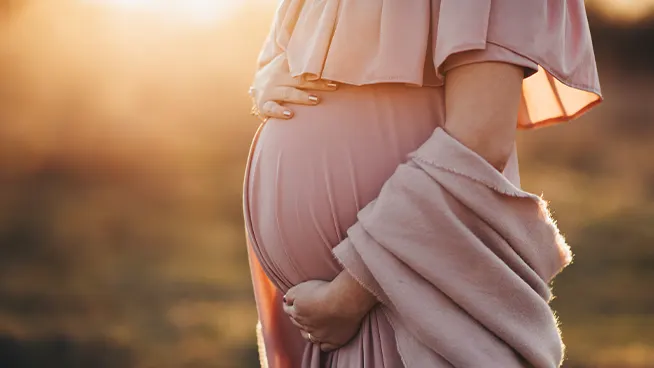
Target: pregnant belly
(309,176)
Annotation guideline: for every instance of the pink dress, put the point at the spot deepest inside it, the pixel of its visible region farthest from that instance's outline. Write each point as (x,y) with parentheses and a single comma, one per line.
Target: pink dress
(309,177)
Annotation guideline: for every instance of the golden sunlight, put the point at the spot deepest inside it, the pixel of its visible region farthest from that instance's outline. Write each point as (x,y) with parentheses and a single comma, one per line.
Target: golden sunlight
(200,11)
(625,11)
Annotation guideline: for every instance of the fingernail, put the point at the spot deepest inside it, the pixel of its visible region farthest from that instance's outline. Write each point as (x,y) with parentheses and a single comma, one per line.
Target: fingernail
(332,85)
(287,113)
(313,98)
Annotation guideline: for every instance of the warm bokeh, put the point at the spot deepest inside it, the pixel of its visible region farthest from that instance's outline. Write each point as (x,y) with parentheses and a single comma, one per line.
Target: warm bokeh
(123,137)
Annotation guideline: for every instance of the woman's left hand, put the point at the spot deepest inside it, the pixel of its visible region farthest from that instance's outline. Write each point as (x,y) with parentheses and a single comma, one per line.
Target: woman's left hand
(317,309)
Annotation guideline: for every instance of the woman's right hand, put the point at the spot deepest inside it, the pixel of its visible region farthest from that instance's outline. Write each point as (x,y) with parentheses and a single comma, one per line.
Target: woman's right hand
(327,314)
(273,86)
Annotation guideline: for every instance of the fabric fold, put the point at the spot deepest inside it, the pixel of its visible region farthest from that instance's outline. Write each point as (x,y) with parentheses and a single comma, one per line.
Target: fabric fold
(388,41)
(461,260)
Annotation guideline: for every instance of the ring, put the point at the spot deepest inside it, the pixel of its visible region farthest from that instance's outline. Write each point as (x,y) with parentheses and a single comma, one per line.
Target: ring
(311,338)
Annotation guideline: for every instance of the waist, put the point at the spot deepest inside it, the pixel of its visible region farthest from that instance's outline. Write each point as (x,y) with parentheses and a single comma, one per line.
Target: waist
(366,112)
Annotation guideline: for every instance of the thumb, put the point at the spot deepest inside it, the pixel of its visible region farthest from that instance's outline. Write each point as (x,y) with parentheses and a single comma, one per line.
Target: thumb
(289,297)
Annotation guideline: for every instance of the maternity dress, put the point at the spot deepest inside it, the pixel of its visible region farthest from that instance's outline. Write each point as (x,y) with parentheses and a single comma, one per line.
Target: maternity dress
(307,178)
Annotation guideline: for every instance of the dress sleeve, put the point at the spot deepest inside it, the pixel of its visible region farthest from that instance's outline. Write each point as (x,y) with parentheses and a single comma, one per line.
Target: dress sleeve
(386,41)
(491,53)
(552,36)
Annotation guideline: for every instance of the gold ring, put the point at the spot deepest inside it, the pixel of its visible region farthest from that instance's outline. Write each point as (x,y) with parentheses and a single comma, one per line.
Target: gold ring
(311,338)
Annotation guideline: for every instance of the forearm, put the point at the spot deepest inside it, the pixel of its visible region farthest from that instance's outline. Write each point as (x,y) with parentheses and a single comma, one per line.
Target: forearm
(350,296)
(481,112)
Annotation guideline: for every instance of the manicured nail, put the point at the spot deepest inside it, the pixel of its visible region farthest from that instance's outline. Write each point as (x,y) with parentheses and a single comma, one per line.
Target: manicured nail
(287,113)
(332,85)
(313,98)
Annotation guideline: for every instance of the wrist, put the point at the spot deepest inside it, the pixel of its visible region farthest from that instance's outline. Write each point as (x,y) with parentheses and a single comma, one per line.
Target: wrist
(350,297)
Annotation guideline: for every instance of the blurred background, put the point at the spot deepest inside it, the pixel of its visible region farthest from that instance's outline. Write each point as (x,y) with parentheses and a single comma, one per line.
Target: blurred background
(124,131)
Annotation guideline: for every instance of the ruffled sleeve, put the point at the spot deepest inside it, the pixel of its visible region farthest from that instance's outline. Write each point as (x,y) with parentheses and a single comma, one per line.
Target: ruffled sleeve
(413,42)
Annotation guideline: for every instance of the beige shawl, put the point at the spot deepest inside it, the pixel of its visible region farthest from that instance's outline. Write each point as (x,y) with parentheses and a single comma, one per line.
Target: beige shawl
(463,272)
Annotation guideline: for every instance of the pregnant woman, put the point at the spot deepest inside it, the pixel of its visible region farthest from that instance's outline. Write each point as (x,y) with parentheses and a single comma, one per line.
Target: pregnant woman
(385,221)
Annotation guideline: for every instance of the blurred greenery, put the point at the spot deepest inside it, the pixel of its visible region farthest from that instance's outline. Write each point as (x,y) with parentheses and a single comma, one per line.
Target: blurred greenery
(123,139)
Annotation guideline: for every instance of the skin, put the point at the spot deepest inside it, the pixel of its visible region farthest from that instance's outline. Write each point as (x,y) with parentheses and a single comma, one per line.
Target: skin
(273,86)
(481,104)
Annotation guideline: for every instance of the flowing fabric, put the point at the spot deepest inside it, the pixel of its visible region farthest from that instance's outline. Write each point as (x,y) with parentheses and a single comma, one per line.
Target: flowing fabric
(462,275)
(386,41)
(463,272)
(306,180)
(458,255)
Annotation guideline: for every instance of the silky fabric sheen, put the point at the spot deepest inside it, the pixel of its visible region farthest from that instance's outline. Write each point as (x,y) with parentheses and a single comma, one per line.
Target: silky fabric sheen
(307,179)
(310,180)
(386,41)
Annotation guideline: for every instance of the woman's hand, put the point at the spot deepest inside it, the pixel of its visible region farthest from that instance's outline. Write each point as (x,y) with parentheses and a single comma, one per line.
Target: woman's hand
(313,307)
(330,311)
(273,86)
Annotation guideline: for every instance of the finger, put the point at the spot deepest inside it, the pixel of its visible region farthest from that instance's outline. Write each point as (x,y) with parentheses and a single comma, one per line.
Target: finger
(274,110)
(291,295)
(312,339)
(292,95)
(289,310)
(327,347)
(298,324)
(305,335)
(318,85)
